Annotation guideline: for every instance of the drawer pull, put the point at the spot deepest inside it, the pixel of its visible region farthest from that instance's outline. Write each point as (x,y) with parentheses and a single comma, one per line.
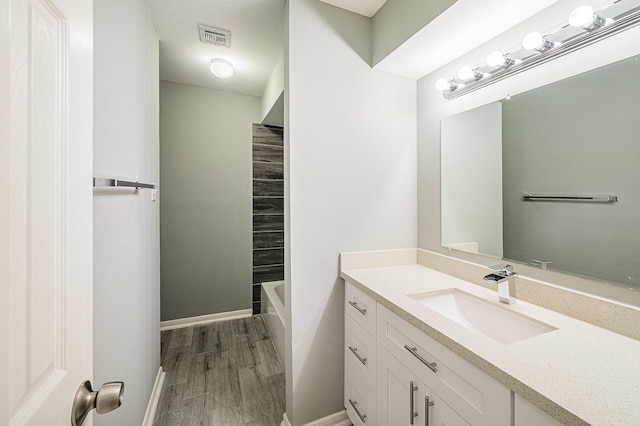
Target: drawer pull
(414,352)
(355,352)
(358,308)
(412,412)
(363,417)
(427,403)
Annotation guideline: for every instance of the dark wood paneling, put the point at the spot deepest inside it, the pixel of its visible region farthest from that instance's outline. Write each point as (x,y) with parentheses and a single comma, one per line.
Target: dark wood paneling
(256,292)
(268,222)
(268,188)
(268,205)
(269,135)
(268,170)
(268,257)
(265,274)
(268,153)
(263,240)
(256,307)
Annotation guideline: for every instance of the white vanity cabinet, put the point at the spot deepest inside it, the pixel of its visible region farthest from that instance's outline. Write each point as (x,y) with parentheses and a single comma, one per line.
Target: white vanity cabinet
(360,356)
(403,399)
(526,414)
(395,374)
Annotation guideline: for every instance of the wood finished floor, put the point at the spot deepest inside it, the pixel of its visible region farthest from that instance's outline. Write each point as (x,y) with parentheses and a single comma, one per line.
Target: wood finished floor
(223,373)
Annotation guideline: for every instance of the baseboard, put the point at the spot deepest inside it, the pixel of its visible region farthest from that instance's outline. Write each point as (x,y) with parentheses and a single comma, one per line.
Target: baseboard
(204,319)
(150,414)
(337,419)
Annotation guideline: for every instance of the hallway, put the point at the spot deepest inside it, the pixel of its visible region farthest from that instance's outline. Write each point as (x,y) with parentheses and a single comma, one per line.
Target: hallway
(223,373)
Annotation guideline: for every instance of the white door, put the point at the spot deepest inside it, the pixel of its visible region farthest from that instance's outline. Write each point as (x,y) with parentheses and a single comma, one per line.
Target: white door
(46,109)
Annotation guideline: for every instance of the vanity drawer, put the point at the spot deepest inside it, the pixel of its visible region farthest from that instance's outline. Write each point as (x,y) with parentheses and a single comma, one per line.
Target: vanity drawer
(478,398)
(361,307)
(360,405)
(360,354)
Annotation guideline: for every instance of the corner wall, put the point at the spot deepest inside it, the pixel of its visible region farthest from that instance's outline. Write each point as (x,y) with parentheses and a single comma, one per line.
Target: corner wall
(350,147)
(205,156)
(126,223)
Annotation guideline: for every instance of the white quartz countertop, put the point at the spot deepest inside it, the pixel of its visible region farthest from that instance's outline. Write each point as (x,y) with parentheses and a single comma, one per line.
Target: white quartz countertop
(579,373)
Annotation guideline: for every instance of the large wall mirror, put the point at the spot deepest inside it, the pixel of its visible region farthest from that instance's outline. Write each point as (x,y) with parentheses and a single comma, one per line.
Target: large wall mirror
(574,143)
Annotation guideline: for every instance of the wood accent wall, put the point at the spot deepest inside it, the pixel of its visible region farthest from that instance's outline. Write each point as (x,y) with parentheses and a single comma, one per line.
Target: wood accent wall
(268,208)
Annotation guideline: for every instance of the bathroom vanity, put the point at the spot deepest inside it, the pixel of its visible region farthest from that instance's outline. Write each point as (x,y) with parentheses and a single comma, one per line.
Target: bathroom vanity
(423,347)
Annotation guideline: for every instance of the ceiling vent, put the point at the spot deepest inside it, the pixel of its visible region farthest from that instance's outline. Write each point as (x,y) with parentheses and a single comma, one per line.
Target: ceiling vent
(215,36)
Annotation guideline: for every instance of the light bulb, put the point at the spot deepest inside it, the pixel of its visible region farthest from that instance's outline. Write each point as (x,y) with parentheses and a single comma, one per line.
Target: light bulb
(535,41)
(495,59)
(466,73)
(221,68)
(443,84)
(585,17)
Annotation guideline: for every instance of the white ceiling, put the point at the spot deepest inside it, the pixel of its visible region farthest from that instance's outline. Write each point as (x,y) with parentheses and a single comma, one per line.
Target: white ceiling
(367,8)
(257,41)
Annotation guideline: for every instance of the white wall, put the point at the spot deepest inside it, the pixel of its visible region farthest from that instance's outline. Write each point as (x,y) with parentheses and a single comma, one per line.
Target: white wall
(432,107)
(126,224)
(350,149)
(206,227)
(4,209)
(272,100)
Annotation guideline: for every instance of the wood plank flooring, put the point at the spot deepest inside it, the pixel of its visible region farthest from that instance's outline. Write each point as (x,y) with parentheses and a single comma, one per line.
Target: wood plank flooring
(223,373)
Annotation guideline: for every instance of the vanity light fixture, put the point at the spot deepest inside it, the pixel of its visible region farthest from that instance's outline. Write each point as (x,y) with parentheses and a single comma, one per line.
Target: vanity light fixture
(585,26)
(498,59)
(536,41)
(467,73)
(444,84)
(221,68)
(585,17)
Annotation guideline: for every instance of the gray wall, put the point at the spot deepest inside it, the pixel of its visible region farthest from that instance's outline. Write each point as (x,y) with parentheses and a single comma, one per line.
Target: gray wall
(432,107)
(398,20)
(350,170)
(126,280)
(588,144)
(205,163)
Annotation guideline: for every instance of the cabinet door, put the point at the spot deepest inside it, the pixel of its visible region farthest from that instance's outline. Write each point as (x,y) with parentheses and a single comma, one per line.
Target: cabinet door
(438,413)
(397,402)
(404,400)
(526,414)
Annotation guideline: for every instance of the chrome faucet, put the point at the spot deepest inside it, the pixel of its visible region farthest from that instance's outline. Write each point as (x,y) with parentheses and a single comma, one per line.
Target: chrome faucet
(505,278)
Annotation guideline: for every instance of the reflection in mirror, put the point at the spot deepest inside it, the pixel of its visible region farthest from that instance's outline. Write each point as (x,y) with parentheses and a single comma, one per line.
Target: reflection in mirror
(578,136)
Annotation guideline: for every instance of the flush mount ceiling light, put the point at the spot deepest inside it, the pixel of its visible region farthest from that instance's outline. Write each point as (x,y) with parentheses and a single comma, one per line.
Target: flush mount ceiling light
(221,68)
(585,26)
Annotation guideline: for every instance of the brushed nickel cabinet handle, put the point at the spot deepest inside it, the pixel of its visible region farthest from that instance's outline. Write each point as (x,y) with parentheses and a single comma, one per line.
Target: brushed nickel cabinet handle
(427,403)
(363,417)
(355,352)
(358,308)
(414,352)
(412,412)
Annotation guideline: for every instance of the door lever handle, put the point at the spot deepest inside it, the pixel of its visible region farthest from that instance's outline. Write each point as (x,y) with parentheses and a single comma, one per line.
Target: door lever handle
(106,399)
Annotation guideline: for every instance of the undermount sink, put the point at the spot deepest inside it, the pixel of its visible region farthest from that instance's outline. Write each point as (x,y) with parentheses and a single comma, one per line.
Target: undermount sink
(499,324)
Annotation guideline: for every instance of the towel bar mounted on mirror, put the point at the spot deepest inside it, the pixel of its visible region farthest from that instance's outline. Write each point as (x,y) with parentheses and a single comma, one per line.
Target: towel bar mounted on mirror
(585,198)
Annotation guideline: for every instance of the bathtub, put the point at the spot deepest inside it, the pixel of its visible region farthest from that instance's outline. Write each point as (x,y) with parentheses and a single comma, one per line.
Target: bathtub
(273,310)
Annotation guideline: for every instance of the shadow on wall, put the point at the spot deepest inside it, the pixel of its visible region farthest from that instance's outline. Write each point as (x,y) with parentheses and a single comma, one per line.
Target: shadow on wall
(342,24)
(332,320)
